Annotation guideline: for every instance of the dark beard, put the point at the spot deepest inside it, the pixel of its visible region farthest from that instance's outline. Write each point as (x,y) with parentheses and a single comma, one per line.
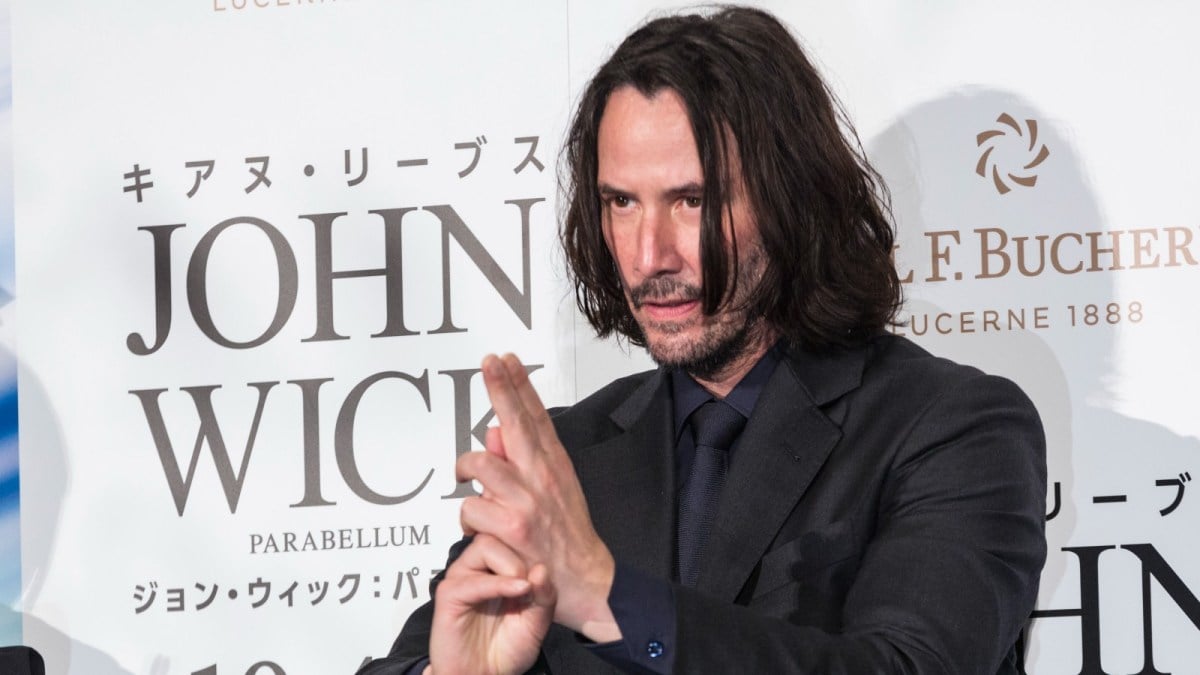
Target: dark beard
(716,351)
(707,366)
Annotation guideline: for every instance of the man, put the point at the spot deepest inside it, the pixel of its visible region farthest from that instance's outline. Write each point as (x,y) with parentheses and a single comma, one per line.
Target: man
(857,506)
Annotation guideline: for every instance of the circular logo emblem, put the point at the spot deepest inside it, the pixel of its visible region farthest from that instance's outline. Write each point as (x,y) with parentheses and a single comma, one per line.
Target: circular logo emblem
(1019,153)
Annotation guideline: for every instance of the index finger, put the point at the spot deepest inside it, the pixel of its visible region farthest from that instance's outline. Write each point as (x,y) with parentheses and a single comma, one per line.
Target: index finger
(518,429)
(486,553)
(528,395)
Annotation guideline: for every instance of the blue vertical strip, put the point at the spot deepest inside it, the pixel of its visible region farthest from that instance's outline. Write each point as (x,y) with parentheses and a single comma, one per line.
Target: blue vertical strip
(10,505)
(10,484)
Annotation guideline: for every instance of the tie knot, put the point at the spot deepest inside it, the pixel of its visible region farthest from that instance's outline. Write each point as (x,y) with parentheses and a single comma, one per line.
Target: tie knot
(716,424)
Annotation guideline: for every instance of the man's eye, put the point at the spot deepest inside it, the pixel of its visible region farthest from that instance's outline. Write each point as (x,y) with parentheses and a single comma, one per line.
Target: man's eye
(692,202)
(619,201)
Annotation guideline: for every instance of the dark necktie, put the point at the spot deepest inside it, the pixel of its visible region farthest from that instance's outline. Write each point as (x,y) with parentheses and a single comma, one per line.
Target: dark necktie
(715,426)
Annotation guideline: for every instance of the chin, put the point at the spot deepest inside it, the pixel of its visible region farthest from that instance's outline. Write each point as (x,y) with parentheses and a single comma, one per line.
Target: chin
(674,347)
(679,350)
(703,351)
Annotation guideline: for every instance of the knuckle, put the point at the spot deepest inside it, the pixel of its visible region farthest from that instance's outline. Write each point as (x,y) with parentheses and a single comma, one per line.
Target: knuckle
(526,504)
(466,465)
(456,570)
(548,481)
(487,544)
(467,513)
(517,528)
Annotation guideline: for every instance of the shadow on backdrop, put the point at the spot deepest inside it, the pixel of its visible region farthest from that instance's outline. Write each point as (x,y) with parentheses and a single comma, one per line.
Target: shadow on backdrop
(929,158)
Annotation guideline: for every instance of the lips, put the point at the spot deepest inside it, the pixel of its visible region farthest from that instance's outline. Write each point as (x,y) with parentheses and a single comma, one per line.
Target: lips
(665,298)
(668,310)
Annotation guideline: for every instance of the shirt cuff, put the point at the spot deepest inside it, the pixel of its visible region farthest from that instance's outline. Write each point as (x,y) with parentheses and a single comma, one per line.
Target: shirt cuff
(644,608)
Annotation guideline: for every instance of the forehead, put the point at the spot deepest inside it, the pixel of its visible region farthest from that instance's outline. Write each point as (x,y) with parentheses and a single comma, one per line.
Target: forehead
(646,138)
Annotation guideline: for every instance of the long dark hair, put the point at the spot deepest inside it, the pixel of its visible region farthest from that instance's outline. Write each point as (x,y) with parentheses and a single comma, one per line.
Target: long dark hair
(821,210)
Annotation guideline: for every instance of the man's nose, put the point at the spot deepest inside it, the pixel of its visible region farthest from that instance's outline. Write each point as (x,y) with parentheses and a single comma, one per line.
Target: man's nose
(658,251)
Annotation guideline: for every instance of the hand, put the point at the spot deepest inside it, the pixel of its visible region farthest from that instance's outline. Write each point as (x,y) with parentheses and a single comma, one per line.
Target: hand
(533,503)
(490,616)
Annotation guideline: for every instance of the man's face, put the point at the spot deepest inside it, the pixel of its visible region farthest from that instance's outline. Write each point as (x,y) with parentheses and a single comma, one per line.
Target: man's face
(651,183)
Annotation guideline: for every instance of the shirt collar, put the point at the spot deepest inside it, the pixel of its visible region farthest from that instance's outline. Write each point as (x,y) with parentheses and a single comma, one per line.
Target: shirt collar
(689,395)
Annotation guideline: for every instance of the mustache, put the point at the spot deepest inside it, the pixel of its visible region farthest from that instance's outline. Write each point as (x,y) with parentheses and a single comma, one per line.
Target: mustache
(660,289)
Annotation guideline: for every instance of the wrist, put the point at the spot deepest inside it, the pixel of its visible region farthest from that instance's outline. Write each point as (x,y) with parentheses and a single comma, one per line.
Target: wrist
(589,613)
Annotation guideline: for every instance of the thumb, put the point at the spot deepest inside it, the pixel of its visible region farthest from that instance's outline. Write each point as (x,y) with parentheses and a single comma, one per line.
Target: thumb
(543,591)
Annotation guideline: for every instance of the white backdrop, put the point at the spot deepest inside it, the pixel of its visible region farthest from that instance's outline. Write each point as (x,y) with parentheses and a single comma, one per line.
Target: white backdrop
(325,321)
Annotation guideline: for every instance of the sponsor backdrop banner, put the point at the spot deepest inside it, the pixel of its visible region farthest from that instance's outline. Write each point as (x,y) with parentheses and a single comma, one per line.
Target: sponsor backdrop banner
(262,246)
(265,250)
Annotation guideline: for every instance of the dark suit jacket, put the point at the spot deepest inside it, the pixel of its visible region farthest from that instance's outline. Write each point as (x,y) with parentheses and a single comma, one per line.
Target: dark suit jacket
(884,513)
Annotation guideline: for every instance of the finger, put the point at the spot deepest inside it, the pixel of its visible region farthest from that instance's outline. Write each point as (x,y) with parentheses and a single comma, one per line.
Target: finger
(530,400)
(517,430)
(490,555)
(488,517)
(498,476)
(548,443)
(475,589)
(494,442)
(505,401)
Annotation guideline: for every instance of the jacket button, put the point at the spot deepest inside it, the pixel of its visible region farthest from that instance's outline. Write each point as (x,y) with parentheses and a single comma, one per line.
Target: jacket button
(654,649)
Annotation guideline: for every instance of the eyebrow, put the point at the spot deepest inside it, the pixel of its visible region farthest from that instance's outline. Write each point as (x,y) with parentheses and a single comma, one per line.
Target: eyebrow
(607,190)
(686,190)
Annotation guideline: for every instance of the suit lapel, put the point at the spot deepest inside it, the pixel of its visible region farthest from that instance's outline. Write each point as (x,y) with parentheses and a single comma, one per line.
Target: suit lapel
(784,445)
(629,479)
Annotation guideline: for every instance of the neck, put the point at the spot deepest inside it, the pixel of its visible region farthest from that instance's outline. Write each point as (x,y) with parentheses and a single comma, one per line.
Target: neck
(721,383)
